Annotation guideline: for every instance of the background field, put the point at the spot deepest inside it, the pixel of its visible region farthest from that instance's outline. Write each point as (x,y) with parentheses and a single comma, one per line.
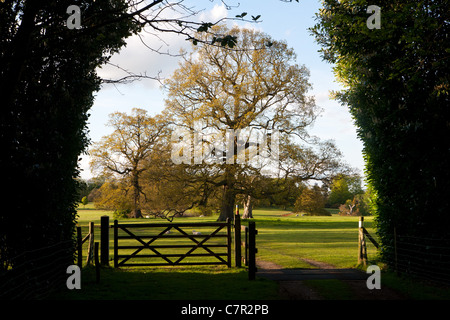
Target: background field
(283,238)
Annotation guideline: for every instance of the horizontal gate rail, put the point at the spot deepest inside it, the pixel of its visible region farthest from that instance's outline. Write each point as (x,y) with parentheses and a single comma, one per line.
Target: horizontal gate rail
(173,246)
(146,242)
(170,236)
(172,225)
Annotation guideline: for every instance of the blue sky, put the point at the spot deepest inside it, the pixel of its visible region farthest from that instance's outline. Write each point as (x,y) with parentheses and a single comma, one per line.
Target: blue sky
(281,20)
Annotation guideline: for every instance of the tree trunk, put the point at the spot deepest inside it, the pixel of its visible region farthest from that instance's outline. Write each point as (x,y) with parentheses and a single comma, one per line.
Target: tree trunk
(248,208)
(136,213)
(226,209)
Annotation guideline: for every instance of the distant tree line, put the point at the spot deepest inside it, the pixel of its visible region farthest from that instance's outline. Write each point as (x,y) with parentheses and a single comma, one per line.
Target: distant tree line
(344,193)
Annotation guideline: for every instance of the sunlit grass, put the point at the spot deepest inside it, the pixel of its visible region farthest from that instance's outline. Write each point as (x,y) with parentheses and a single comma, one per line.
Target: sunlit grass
(283,238)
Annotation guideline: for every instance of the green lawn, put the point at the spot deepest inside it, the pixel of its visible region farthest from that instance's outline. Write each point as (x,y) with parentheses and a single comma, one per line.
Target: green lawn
(283,239)
(170,283)
(286,239)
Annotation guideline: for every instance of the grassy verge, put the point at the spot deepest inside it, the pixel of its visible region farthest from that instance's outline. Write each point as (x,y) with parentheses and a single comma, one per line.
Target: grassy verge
(414,289)
(207,283)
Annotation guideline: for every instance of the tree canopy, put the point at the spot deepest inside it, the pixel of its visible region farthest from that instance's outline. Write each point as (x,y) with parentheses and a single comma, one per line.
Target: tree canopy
(125,151)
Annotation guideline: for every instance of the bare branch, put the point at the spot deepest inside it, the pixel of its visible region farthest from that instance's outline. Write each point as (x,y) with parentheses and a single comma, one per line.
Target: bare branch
(131,77)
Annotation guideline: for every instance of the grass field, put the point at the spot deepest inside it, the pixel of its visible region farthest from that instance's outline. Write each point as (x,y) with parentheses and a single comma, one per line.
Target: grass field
(283,238)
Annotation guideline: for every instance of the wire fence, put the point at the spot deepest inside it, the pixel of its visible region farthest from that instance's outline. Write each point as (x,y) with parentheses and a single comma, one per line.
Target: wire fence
(425,258)
(418,257)
(37,273)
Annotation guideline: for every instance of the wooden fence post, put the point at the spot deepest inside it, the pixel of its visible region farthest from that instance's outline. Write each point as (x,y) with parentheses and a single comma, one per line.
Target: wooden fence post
(116,244)
(90,254)
(362,249)
(79,248)
(237,238)
(360,235)
(229,242)
(104,240)
(245,245)
(252,232)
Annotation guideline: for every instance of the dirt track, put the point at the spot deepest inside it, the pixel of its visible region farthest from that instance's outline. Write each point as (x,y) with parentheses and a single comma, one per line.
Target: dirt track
(292,286)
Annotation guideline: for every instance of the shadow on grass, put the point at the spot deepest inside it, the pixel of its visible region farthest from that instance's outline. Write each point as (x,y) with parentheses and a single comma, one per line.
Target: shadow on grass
(167,284)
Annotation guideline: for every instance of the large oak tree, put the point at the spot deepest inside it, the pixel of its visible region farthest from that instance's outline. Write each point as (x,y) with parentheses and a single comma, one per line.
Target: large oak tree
(256,85)
(123,152)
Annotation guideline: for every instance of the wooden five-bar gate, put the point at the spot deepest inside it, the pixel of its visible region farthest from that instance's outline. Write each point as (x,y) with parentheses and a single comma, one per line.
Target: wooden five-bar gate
(144,244)
(171,244)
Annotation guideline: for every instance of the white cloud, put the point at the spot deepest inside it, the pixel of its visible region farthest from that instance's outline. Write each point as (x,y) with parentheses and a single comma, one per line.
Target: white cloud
(216,13)
(153,52)
(84,167)
(146,54)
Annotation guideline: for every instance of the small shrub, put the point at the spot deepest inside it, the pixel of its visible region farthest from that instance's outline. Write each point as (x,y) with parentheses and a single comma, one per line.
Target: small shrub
(121,214)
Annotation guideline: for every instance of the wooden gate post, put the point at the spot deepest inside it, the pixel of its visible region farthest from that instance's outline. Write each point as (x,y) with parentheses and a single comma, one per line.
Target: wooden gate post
(245,243)
(362,249)
(228,242)
(79,248)
(116,243)
(252,232)
(237,239)
(90,254)
(104,240)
